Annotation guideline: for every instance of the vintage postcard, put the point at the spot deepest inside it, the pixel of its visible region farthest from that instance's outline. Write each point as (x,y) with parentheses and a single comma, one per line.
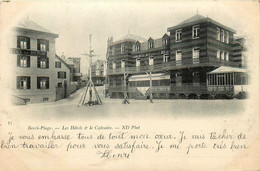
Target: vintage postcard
(129,85)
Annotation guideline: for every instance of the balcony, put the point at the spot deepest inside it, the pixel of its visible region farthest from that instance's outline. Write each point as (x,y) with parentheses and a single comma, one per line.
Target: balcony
(187,88)
(172,65)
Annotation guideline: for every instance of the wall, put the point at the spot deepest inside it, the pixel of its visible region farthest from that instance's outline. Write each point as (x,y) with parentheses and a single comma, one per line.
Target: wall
(35,95)
(63,68)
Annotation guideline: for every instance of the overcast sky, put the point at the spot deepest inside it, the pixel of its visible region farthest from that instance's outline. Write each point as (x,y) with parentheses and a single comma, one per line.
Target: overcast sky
(74,21)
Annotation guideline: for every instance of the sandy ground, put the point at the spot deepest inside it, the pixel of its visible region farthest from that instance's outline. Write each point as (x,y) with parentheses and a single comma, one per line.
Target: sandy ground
(68,108)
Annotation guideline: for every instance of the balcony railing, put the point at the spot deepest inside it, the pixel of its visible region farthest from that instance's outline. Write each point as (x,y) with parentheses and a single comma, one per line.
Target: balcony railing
(185,88)
(198,62)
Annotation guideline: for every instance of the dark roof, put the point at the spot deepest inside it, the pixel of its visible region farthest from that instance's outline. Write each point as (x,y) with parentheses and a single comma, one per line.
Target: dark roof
(196,19)
(30,25)
(129,37)
(60,59)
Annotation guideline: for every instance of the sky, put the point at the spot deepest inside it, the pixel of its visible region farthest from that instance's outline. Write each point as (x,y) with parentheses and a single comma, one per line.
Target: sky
(75,20)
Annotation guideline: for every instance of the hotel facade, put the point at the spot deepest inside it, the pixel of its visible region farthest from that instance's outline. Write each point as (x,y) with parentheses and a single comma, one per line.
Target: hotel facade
(180,62)
(33,63)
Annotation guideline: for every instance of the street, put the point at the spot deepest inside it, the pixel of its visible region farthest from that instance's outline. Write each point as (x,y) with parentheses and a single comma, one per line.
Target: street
(68,108)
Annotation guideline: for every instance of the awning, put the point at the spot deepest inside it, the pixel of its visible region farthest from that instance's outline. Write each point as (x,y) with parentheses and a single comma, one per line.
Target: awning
(227,69)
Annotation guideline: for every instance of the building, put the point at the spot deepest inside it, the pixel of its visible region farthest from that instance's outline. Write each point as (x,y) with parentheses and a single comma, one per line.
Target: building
(74,63)
(97,72)
(33,60)
(178,62)
(64,85)
(62,72)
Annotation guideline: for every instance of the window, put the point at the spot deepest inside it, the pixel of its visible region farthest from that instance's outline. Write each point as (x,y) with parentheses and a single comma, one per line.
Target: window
(61,74)
(195,31)
(42,45)
(151,60)
(195,74)
(178,74)
(114,65)
(122,49)
(138,47)
(42,62)
(113,50)
(227,37)
(45,99)
(196,54)
(222,55)
(23,82)
(57,64)
(23,61)
(218,54)
(23,42)
(222,36)
(178,35)
(150,45)
(165,41)
(137,62)
(166,58)
(227,56)
(218,34)
(178,57)
(59,84)
(123,64)
(42,82)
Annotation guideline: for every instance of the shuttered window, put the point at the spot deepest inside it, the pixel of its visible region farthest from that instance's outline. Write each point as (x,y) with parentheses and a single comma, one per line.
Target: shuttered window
(42,62)
(23,42)
(42,82)
(61,74)
(42,45)
(57,64)
(23,82)
(23,61)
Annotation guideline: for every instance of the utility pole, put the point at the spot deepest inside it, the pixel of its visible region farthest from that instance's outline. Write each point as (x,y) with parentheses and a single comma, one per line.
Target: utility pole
(151,87)
(90,84)
(126,99)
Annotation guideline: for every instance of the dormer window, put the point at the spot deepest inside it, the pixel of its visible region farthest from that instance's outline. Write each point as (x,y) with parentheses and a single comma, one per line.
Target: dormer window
(138,47)
(195,31)
(23,42)
(122,49)
(150,45)
(178,35)
(165,41)
(42,45)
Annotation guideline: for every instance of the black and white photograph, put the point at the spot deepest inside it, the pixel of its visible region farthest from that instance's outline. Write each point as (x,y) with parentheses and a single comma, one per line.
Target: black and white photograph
(129,85)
